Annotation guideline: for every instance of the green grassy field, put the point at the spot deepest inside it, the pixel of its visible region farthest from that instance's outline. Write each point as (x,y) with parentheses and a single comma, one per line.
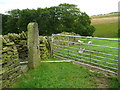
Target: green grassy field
(106,30)
(106,15)
(63,75)
(106,25)
(100,59)
(56,75)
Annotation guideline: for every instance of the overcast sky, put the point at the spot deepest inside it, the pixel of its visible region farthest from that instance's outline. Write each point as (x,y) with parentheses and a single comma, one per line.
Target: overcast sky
(91,7)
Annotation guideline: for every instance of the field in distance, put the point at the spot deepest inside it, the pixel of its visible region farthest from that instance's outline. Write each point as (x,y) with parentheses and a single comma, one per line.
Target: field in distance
(106,25)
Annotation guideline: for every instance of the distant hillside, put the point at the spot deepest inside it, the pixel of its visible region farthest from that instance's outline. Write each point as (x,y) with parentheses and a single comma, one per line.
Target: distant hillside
(106,25)
(113,14)
(104,20)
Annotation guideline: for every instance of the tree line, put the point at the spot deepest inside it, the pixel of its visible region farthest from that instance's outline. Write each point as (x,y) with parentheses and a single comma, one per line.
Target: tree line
(56,19)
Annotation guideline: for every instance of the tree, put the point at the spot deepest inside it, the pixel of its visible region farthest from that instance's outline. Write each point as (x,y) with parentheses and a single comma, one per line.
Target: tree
(4,27)
(76,21)
(57,19)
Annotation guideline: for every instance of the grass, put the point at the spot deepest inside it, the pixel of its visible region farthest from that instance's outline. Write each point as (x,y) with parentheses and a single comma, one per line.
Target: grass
(109,30)
(113,82)
(102,61)
(56,75)
(106,15)
(50,59)
(63,75)
(106,25)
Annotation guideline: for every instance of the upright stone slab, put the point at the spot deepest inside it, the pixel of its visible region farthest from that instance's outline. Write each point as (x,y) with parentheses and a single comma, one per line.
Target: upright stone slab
(33,46)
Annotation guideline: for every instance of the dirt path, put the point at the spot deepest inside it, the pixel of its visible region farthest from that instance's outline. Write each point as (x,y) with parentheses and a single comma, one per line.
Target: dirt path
(104,20)
(102,82)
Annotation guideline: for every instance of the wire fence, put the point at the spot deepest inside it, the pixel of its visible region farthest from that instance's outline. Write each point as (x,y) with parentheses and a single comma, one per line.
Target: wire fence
(99,53)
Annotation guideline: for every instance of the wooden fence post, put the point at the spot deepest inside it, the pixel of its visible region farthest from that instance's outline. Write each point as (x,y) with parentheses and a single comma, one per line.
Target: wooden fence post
(33,46)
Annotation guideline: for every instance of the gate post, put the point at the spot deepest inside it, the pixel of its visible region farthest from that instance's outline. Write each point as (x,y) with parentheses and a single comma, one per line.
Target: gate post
(119,60)
(52,45)
(119,67)
(33,46)
(119,41)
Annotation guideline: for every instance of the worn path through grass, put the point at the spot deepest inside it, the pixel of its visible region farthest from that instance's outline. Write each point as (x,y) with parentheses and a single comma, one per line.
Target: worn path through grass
(56,75)
(61,75)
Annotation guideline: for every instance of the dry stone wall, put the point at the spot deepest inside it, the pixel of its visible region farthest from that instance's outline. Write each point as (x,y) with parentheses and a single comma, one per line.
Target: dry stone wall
(20,41)
(10,62)
(63,38)
(44,45)
(14,51)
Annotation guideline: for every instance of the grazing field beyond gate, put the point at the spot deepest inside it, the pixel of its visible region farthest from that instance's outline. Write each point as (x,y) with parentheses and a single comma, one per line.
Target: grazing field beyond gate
(94,52)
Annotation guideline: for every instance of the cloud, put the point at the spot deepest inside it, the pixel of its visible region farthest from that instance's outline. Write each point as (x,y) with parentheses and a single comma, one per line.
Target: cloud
(91,7)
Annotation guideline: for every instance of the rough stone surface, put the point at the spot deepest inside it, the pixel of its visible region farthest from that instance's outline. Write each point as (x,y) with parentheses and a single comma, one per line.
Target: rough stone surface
(24,68)
(10,64)
(44,45)
(65,38)
(14,50)
(33,46)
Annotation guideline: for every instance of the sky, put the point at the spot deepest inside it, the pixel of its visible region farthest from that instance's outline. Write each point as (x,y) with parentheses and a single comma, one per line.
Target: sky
(91,7)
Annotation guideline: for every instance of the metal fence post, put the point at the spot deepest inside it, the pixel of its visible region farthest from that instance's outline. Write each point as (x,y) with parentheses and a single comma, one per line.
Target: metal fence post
(68,45)
(119,63)
(119,41)
(119,60)
(90,49)
(52,45)
(1,48)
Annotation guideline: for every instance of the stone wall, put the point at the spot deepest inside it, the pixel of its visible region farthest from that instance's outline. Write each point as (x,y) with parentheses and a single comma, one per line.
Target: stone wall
(10,62)
(14,51)
(20,41)
(45,48)
(64,38)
